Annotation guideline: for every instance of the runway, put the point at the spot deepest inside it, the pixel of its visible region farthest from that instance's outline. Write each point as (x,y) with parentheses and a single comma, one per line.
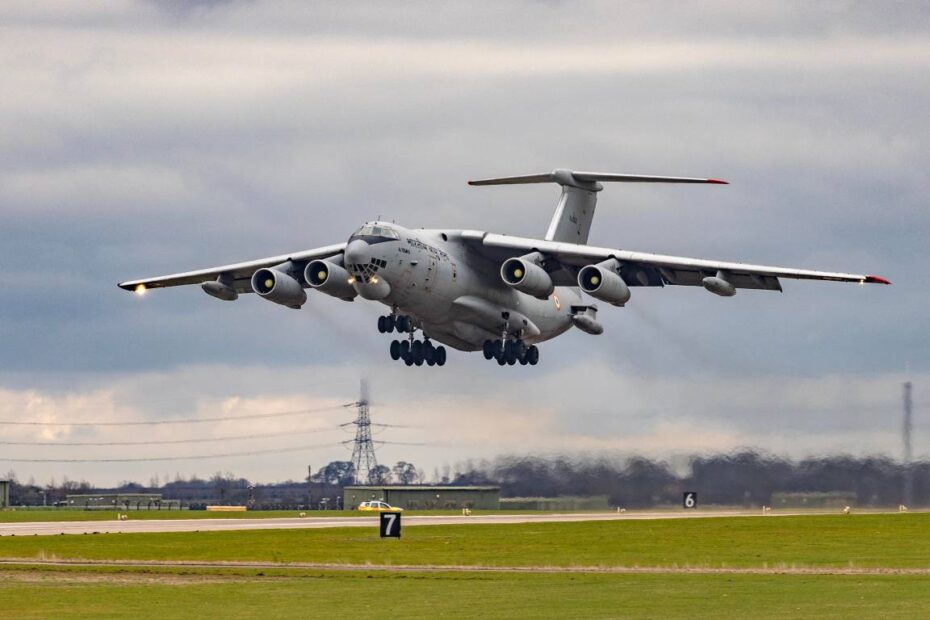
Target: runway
(53,528)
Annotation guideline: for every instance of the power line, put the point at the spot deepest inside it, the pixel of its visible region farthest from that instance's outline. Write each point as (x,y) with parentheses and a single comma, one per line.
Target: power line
(165,441)
(251,416)
(192,457)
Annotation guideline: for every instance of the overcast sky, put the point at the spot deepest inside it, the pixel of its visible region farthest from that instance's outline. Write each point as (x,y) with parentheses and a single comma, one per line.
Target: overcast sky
(141,138)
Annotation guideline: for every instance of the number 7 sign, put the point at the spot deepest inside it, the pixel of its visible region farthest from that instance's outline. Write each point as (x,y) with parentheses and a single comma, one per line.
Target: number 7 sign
(390,525)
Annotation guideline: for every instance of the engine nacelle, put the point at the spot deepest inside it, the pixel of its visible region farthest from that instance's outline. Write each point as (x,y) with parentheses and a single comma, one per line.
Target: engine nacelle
(602,282)
(719,285)
(279,287)
(330,278)
(525,275)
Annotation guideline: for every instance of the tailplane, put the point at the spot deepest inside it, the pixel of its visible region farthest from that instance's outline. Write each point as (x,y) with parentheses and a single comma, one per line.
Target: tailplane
(575,212)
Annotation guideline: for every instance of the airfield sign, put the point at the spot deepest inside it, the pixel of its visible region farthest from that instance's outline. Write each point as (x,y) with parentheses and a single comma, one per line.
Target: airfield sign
(390,525)
(689,499)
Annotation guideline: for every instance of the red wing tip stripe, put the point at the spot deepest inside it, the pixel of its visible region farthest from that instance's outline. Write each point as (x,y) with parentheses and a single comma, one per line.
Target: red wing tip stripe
(718,182)
(877,280)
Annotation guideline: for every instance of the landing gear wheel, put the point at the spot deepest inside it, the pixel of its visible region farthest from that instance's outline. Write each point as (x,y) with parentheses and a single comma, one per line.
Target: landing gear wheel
(404,348)
(408,359)
(381,327)
(416,352)
(499,349)
(395,350)
(510,353)
(429,354)
(440,356)
(532,355)
(501,361)
(488,349)
(523,361)
(389,323)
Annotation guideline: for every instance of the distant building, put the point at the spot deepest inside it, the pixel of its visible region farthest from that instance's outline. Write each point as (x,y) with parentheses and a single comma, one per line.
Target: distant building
(416,497)
(120,501)
(4,493)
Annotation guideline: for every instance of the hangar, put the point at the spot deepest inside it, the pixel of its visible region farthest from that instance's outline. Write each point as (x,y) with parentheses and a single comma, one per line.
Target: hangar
(425,497)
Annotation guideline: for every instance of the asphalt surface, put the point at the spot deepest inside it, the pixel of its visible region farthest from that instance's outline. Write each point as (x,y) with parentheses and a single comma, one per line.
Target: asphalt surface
(224,525)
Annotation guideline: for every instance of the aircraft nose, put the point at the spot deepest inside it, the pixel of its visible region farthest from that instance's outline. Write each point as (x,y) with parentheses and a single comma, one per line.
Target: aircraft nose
(358,252)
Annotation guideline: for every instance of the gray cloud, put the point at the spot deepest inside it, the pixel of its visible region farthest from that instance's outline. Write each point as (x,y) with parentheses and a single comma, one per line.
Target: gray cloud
(138,142)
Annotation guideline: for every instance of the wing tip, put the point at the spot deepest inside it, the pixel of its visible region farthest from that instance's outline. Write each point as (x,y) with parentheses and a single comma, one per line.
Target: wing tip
(717,182)
(877,280)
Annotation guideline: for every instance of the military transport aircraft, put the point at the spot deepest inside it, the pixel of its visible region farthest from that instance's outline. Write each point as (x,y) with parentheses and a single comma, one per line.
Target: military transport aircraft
(475,290)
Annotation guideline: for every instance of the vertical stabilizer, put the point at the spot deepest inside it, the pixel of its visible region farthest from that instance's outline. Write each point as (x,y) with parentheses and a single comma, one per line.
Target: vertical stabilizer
(572,219)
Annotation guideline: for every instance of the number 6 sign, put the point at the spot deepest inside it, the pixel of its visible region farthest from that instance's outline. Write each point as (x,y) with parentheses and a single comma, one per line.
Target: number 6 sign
(689,499)
(390,525)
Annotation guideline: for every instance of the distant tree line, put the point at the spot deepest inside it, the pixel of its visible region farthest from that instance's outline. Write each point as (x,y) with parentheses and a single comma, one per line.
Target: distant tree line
(746,478)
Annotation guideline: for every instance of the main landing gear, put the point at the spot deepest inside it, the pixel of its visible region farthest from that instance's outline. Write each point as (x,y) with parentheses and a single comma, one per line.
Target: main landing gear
(510,352)
(412,351)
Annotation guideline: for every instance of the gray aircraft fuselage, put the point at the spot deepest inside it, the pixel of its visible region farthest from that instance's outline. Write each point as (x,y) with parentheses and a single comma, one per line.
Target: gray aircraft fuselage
(455,295)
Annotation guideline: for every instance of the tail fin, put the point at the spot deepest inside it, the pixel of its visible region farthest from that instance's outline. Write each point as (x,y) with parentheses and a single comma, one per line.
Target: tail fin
(575,211)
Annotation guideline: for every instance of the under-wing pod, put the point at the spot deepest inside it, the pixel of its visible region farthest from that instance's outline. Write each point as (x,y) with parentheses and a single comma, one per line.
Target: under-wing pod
(602,281)
(273,284)
(525,275)
(331,278)
(585,319)
(719,285)
(221,288)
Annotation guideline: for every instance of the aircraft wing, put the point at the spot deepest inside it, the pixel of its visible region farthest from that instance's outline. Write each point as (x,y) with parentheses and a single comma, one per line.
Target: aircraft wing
(239,273)
(644,269)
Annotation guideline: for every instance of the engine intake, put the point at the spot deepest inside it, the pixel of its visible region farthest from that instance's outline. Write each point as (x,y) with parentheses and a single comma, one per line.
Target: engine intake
(279,287)
(603,282)
(525,275)
(330,278)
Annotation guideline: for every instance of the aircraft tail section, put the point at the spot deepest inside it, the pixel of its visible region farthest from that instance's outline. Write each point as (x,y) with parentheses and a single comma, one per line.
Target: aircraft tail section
(574,213)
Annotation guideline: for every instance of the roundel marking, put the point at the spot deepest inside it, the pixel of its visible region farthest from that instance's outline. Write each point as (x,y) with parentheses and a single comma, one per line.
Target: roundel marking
(558,304)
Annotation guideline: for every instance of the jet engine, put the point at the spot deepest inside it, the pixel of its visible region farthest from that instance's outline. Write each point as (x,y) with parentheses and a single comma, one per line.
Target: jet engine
(330,278)
(602,281)
(279,287)
(525,275)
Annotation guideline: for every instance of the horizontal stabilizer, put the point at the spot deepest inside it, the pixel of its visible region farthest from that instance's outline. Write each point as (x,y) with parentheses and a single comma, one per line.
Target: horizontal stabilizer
(572,178)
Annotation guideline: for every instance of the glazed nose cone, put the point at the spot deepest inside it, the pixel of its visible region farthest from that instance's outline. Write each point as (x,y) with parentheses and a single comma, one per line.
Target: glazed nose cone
(358,252)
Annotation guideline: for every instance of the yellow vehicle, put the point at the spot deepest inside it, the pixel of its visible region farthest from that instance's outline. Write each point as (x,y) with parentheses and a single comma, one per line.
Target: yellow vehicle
(378,506)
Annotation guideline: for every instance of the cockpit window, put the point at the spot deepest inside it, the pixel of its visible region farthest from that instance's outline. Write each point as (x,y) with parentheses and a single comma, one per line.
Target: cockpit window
(375,231)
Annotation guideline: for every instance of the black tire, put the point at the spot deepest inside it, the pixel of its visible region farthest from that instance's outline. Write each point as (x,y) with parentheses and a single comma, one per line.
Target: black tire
(404,348)
(389,323)
(428,346)
(440,356)
(416,351)
(523,361)
(501,361)
(395,350)
(510,353)
(532,355)
(408,359)
(381,328)
(429,354)
(488,349)
(498,349)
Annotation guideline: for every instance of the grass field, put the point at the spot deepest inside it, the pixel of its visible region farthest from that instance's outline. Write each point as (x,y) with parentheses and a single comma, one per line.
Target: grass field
(778,548)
